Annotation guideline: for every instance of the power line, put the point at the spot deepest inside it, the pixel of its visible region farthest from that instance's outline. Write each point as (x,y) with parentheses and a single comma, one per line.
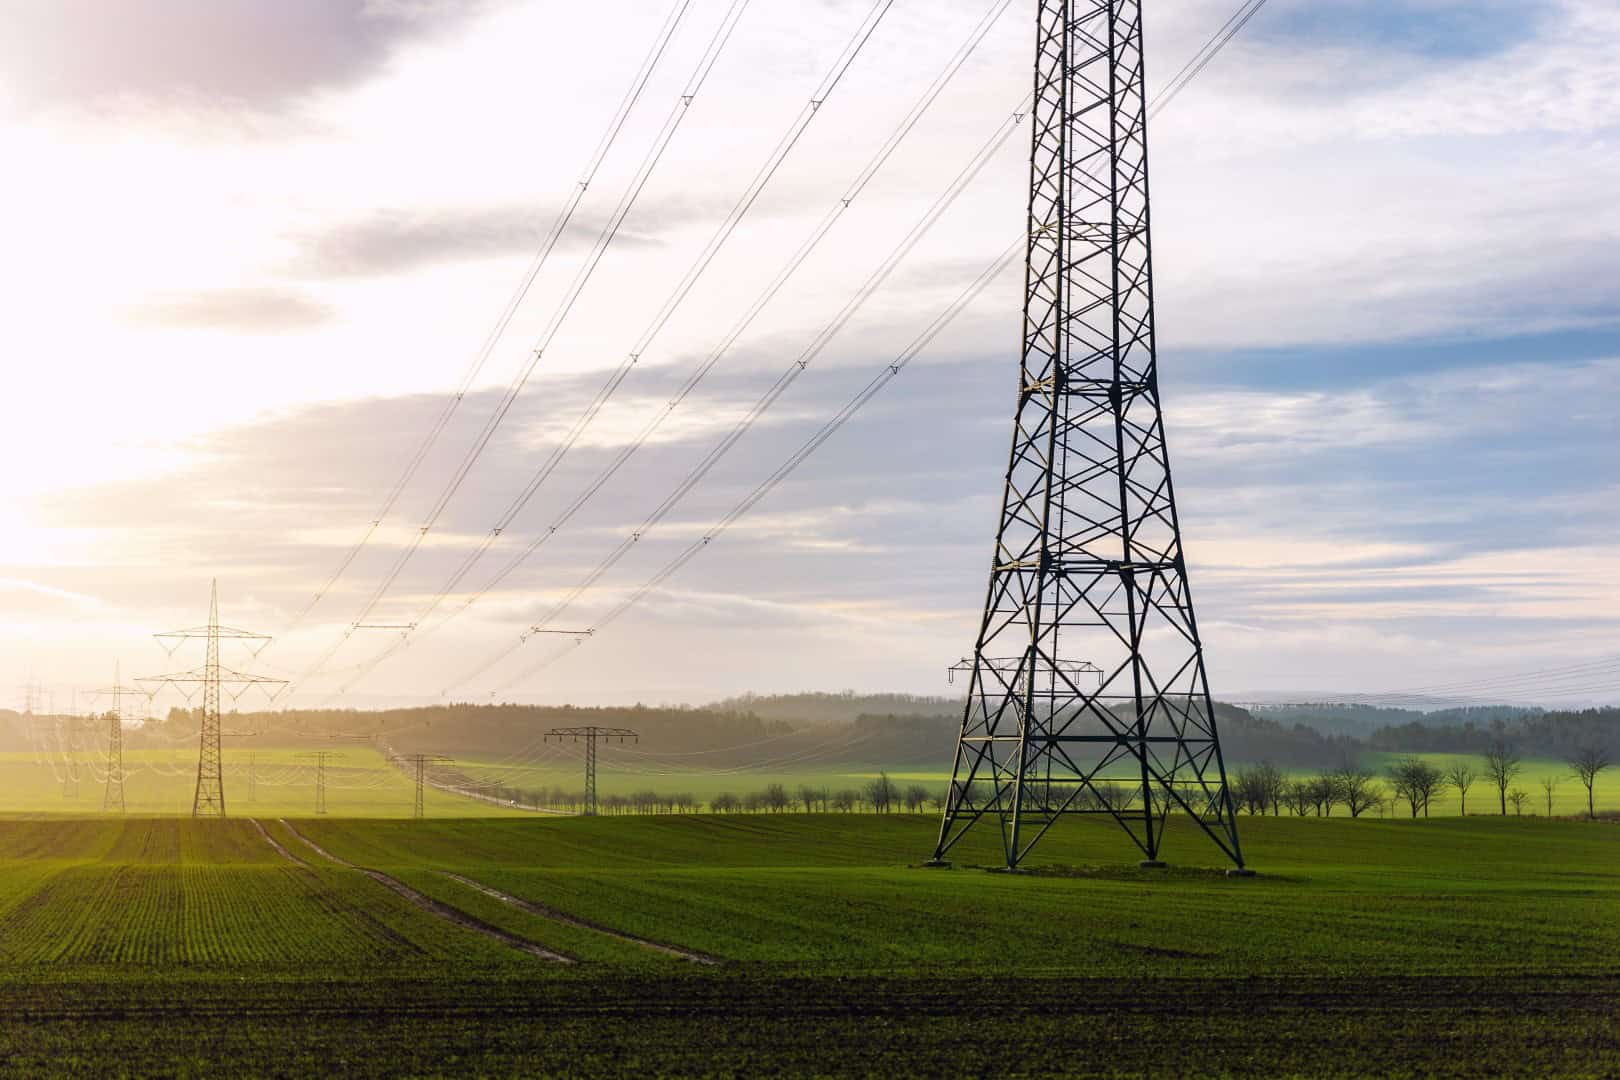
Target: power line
(797,458)
(1199,62)
(492,423)
(790,374)
(778,155)
(498,330)
(1201,59)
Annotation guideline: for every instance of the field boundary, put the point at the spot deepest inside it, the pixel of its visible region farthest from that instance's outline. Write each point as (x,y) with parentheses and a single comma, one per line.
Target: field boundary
(437,907)
(546,912)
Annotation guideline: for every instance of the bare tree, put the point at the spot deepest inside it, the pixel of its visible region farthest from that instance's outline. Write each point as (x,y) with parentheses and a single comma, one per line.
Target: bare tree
(881,793)
(1416,781)
(1461,775)
(1300,796)
(1518,797)
(807,798)
(1249,789)
(1503,764)
(1325,793)
(1549,784)
(775,798)
(1358,786)
(916,797)
(1258,788)
(1586,763)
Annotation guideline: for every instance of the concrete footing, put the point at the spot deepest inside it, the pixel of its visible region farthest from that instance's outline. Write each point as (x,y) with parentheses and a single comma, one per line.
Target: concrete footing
(1151,864)
(937,864)
(1240,871)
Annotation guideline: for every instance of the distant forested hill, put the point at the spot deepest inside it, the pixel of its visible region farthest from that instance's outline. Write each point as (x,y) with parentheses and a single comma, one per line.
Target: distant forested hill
(892,729)
(487,729)
(1362,720)
(846,707)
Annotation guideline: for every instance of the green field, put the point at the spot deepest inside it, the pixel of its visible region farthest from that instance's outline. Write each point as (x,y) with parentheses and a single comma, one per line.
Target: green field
(270,782)
(1569,797)
(1449,946)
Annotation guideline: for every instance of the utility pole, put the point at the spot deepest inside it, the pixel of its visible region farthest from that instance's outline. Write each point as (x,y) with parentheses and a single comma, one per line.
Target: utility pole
(591,734)
(113,794)
(421,762)
(213,677)
(1088,555)
(320,757)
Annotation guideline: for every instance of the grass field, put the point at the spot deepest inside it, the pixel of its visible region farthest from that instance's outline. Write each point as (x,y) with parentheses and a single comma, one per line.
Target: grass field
(273,781)
(377,947)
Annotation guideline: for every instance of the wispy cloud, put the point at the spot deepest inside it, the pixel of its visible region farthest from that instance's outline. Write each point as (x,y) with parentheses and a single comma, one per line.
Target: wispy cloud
(247,310)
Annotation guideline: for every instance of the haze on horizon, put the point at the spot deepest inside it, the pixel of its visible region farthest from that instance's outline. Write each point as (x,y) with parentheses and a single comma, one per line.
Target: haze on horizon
(252,246)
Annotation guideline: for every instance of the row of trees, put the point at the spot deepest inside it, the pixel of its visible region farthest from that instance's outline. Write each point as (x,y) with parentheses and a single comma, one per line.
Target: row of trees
(1263,788)
(1411,783)
(880,795)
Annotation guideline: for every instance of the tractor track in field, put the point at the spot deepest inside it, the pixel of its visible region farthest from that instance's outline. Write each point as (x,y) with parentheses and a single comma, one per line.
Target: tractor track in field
(273,842)
(546,912)
(422,900)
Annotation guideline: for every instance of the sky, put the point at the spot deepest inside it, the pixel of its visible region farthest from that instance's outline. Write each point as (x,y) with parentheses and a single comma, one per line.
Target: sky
(253,249)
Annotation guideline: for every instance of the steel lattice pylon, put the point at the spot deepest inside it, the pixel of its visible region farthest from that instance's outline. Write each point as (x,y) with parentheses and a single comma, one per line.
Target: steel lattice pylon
(1088,566)
(591,734)
(213,678)
(112,797)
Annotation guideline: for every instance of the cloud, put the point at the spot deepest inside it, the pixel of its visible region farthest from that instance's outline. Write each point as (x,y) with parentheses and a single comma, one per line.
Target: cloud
(396,241)
(235,52)
(252,311)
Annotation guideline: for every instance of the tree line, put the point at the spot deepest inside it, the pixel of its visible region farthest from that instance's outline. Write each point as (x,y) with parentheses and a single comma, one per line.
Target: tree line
(880,795)
(1413,783)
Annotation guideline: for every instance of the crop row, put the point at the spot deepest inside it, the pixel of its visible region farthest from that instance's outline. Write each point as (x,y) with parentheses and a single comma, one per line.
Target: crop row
(163,916)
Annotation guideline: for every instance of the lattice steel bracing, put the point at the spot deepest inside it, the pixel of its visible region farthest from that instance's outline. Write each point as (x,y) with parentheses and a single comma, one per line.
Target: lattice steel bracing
(591,734)
(213,678)
(209,797)
(112,797)
(1088,561)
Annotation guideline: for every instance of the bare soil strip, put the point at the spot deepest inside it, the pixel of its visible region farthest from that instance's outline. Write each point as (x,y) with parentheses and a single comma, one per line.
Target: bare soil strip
(435,907)
(573,920)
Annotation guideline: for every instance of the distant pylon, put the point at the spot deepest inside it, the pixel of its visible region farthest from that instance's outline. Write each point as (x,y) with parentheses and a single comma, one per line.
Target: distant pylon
(1088,558)
(421,762)
(209,797)
(591,733)
(320,757)
(112,797)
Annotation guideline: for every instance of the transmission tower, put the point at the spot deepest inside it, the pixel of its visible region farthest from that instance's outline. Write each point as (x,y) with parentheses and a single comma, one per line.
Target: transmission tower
(112,797)
(421,762)
(69,738)
(1088,558)
(591,734)
(213,678)
(320,758)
